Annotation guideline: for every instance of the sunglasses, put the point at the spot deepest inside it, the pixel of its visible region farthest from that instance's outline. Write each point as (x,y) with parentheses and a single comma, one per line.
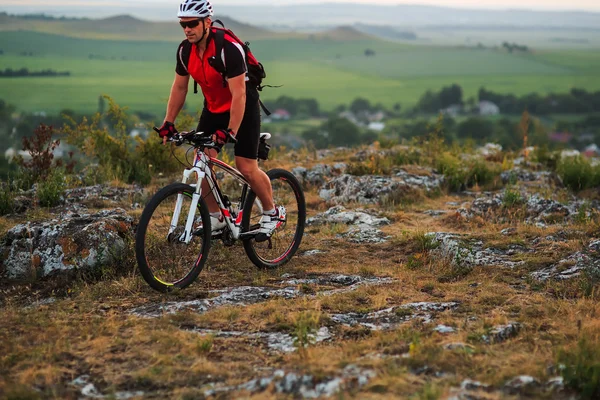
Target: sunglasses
(190,24)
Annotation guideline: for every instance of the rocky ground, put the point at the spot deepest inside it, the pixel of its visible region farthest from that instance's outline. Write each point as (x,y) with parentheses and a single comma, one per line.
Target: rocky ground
(401,289)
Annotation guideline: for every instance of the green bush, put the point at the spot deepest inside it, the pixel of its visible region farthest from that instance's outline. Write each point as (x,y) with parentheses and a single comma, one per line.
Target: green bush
(480,173)
(578,174)
(512,198)
(452,168)
(581,370)
(6,199)
(51,190)
(460,174)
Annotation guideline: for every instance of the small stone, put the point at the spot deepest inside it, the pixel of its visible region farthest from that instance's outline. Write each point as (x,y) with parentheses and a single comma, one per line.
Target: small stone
(521,384)
(444,329)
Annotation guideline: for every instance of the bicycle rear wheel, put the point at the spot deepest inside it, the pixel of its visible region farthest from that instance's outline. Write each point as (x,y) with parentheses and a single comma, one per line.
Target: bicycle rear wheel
(165,261)
(284,243)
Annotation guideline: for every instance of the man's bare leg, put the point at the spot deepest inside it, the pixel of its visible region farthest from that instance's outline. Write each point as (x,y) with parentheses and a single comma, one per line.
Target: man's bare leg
(211,203)
(260,182)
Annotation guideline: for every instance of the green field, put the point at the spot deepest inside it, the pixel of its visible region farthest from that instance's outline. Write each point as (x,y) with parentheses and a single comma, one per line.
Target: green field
(139,74)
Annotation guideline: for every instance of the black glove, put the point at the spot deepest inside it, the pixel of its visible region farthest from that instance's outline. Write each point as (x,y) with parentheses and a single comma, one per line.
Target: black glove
(167,130)
(221,137)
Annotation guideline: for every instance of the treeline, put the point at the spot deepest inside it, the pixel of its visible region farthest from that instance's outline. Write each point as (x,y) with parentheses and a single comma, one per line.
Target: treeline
(10,73)
(577,101)
(42,17)
(298,108)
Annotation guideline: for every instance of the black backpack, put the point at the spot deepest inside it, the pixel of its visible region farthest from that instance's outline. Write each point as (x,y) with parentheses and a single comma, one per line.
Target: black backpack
(256,71)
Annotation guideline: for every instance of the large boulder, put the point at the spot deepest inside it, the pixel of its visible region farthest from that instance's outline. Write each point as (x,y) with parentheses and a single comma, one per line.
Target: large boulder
(72,242)
(371,189)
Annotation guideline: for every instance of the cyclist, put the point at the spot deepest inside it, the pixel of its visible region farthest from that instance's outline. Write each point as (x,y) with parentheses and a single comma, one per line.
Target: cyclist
(231,108)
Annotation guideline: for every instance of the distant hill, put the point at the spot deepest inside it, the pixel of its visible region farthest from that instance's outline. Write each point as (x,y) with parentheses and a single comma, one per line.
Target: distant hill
(120,27)
(388,32)
(343,33)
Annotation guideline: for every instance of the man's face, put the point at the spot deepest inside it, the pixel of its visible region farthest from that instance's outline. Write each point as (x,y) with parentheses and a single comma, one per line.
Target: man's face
(194,28)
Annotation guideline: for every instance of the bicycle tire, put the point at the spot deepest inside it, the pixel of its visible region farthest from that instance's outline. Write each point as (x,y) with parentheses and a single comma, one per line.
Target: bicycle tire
(297,214)
(156,250)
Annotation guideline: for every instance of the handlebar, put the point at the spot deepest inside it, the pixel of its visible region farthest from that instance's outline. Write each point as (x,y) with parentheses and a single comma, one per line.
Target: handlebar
(196,139)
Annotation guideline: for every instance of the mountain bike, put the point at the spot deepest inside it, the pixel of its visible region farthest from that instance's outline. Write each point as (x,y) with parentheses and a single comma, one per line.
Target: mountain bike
(174,234)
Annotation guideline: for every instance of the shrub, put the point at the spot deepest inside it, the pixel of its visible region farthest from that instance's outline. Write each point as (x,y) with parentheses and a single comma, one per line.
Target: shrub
(104,140)
(512,198)
(480,173)
(581,370)
(51,190)
(6,199)
(451,167)
(41,148)
(578,174)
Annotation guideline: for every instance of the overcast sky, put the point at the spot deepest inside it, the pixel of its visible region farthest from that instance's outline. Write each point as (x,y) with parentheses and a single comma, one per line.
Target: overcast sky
(590,5)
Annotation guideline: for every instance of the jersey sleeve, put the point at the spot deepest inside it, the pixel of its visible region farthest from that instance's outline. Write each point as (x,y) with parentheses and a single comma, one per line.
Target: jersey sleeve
(234,59)
(181,69)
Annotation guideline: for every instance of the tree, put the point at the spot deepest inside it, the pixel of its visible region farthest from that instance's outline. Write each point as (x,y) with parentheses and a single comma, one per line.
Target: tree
(475,128)
(360,105)
(370,53)
(341,132)
(451,95)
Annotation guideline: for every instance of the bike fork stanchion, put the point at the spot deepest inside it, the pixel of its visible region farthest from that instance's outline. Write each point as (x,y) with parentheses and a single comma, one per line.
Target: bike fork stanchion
(190,218)
(176,213)
(187,234)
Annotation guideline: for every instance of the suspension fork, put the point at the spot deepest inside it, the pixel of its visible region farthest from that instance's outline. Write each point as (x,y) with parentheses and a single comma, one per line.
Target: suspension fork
(186,236)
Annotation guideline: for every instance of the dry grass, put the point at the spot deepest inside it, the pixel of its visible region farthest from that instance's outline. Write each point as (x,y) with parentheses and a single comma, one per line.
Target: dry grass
(89,330)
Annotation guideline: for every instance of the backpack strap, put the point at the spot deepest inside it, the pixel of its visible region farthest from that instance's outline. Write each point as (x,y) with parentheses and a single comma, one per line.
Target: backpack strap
(184,56)
(265,109)
(217,21)
(216,61)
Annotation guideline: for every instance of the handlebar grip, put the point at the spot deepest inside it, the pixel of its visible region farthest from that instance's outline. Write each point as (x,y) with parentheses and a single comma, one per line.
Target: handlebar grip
(157,130)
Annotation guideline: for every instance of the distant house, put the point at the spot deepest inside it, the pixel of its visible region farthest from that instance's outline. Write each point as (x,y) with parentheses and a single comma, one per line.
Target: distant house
(349,115)
(487,108)
(377,116)
(560,137)
(454,110)
(591,151)
(281,115)
(376,126)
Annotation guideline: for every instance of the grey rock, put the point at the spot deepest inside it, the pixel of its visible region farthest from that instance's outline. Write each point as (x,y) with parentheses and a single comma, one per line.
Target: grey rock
(521,384)
(364,230)
(372,189)
(469,384)
(466,252)
(319,174)
(522,175)
(555,385)
(435,213)
(569,268)
(301,386)
(502,333)
(392,317)
(89,390)
(340,215)
(365,234)
(73,242)
(310,253)
(444,329)
(458,346)
(245,295)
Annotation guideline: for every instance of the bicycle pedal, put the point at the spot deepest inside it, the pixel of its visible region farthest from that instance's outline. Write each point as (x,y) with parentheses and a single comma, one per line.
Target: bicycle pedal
(261,237)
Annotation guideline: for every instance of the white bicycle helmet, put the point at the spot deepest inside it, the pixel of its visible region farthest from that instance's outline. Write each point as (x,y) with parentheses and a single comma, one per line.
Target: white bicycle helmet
(195,9)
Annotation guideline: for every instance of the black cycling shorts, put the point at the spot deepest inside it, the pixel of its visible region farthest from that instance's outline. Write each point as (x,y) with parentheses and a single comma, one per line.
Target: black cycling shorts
(248,135)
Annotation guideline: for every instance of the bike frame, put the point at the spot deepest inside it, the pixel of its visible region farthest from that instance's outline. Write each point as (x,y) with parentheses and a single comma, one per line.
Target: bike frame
(202,169)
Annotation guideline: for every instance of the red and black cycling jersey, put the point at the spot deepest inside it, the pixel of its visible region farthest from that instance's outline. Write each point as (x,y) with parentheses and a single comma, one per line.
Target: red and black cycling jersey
(217,96)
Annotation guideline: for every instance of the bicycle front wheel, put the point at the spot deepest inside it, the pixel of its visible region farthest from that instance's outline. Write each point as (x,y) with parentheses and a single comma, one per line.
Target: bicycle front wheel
(165,258)
(284,243)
